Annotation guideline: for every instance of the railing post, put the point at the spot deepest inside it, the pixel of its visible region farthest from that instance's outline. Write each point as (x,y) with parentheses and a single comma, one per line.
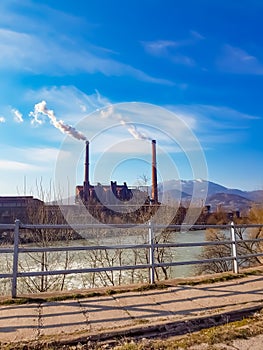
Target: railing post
(151,252)
(15,258)
(234,247)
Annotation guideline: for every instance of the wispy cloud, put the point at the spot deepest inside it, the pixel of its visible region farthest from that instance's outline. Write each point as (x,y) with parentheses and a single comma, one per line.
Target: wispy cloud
(167,49)
(35,158)
(236,60)
(56,56)
(14,13)
(170,49)
(40,155)
(2,119)
(227,113)
(48,51)
(14,165)
(18,116)
(197,35)
(214,124)
(159,47)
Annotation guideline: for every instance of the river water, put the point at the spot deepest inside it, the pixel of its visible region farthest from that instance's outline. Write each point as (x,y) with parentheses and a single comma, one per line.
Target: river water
(87,259)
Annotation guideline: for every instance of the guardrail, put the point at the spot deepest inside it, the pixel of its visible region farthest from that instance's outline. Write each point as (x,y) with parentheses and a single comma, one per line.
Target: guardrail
(151,246)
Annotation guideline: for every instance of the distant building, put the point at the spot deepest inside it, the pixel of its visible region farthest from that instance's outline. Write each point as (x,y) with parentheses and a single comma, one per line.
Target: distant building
(113,193)
(17,207)
(103,193)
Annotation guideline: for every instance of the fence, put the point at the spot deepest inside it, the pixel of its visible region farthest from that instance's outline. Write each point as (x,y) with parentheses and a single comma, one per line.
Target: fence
(151,246)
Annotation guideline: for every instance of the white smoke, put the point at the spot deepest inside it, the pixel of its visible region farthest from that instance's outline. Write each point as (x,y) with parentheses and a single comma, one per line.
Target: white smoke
(130,127)
(134,131)
(41,109)
(18,117)
(107,113)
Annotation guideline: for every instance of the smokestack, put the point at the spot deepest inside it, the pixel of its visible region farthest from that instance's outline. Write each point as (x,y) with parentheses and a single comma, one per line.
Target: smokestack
(154,174)
(86,175)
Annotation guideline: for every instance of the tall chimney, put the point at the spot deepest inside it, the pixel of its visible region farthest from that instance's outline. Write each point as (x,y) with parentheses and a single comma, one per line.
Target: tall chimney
(154,174)
(86,175)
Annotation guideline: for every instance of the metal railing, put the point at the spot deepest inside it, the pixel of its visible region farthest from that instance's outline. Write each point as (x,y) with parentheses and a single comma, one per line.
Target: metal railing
(151,246)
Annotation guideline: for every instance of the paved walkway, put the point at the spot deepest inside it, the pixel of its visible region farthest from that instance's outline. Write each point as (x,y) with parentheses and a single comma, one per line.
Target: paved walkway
(130,310)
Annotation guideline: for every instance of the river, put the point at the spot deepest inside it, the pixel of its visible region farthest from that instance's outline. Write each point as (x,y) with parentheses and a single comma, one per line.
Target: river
(87,259)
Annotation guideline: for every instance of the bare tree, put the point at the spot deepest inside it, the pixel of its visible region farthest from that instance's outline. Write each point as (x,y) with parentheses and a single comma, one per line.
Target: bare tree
(246,250)
(40,213)
(215,252)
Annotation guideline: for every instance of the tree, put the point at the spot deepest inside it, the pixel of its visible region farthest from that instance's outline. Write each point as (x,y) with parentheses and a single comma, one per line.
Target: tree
(243,248)
(37,212)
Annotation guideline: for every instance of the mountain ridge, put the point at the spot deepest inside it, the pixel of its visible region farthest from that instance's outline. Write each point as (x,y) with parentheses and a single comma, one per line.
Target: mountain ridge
(209,193)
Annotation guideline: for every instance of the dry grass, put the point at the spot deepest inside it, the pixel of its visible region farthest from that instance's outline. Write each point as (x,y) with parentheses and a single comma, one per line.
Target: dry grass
(207,338)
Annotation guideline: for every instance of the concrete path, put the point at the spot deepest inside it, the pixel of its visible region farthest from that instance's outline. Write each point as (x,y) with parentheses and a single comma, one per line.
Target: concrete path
(132,310)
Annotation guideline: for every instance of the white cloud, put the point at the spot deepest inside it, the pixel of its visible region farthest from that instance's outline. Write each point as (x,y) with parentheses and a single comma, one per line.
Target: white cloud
(226,112)
(35,44)
(18,116)
(14,14)
(236,60)
(2,119)
(184,60)
(58,56)
(36,157)
(159,47)
(197,35)
(6,165)
(215,124)
(169,49)
(40,155)
(163,48)
(218,116)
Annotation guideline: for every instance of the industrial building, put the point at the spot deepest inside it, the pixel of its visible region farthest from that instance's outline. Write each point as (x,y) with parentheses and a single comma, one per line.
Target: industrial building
(110,194)
(18,207)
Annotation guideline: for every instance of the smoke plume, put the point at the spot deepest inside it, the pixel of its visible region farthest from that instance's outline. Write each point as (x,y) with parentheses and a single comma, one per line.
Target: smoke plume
(129,126)
(134,131)
(41,108)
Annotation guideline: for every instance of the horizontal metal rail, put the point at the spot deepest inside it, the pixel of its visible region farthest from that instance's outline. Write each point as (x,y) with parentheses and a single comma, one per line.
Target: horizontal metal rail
(120,247)
(7,226)
(6,250)
(194,262)
(250,256)
(125,246)
(84,270)
(142,226)
(84,248)
(119,268)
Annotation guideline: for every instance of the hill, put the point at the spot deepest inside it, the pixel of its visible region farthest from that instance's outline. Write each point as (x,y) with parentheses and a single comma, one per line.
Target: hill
(209,193)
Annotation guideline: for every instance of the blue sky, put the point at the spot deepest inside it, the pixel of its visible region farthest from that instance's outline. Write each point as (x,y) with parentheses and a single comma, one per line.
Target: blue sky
(200,61)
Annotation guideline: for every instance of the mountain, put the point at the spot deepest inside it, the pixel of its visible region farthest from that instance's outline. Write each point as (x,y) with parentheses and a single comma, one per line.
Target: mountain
(192,187)
(255,196)
(173,195)
(229,202)
(209,192)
